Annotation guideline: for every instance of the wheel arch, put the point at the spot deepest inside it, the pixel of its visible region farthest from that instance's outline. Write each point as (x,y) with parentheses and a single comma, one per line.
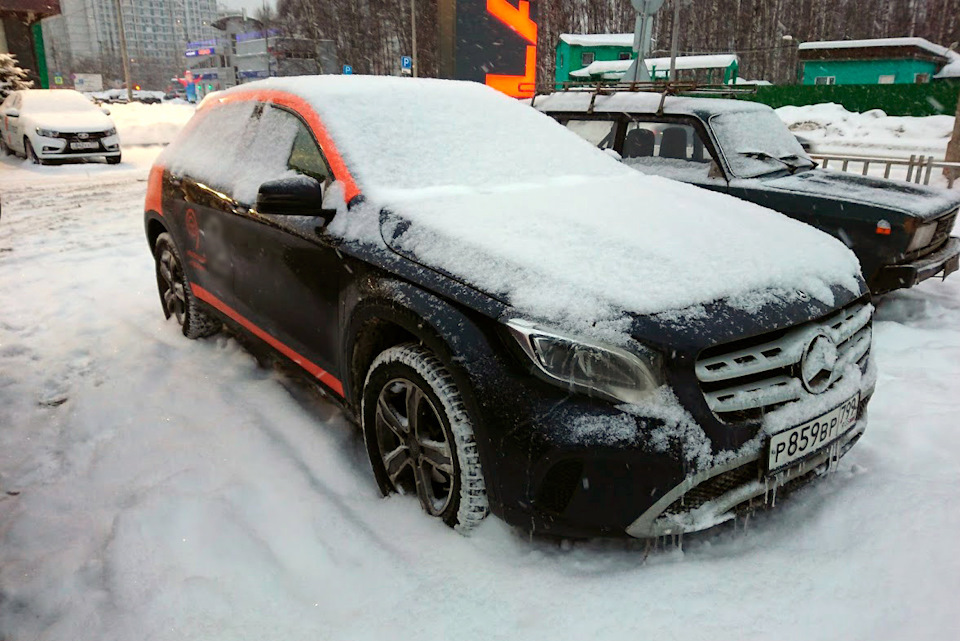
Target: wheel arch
(153,227)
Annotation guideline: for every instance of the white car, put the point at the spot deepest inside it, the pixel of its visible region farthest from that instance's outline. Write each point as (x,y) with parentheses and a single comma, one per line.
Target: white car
(49,126)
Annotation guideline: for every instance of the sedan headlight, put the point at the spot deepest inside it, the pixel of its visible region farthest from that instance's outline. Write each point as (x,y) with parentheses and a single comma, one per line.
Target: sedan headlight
(923,236)
(592,368)
(47,133)
(112,131)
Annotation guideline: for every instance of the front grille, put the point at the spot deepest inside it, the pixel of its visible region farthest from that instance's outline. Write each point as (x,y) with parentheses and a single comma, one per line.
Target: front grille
(747,379)
(86,137)
(715,487)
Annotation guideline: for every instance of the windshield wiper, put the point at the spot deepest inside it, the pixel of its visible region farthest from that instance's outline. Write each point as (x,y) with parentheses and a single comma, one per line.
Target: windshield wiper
(813,163)
(762,155)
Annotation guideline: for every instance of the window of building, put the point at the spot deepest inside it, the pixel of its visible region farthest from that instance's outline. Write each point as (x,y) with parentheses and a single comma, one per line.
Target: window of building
(921,78)
(887,80)
(626,55)
(587,58)
(825,80)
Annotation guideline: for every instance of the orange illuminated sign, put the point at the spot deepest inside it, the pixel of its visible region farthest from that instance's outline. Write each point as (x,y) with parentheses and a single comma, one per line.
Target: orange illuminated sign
(519,20)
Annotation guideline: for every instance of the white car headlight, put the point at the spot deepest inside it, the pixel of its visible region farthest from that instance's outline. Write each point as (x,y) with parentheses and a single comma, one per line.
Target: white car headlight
(47,133)
(923,236)
(595,369)
(112,131)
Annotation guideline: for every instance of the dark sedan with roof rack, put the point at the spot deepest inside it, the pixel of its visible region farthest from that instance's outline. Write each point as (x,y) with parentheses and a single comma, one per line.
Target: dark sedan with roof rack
(899,231)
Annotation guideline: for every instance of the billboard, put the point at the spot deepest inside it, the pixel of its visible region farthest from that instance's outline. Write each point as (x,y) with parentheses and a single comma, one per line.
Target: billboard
(496,44)
(88,82)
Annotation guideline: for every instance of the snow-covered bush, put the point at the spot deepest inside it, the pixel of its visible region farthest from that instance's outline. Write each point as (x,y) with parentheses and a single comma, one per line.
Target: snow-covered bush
(12,76)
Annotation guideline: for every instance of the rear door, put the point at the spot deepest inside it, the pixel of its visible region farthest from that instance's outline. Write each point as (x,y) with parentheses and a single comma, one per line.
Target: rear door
(201,176)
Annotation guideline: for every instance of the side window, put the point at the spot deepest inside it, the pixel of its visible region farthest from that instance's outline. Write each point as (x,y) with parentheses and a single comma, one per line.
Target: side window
(599,133)
(587,58)
(306,157)
(670,149)
(213,145)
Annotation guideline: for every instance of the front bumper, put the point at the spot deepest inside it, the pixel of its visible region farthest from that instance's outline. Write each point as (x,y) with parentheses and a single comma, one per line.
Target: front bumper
(718,494)
(49,148)
(946,260)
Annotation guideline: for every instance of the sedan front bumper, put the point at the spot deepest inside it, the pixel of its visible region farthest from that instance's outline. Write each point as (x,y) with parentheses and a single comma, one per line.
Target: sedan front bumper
(946,260)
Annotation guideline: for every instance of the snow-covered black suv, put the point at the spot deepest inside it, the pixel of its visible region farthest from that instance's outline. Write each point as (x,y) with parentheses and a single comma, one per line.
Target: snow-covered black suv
(478,289)
(899,231)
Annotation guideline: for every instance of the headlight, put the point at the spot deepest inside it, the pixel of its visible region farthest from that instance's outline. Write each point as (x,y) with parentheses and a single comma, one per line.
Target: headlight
(47,133)
(598,370)
(112,131)
(923,236)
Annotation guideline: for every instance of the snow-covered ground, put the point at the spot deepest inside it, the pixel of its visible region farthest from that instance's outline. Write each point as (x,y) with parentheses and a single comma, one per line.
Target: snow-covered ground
(157,488)
(834,130)
(155,124)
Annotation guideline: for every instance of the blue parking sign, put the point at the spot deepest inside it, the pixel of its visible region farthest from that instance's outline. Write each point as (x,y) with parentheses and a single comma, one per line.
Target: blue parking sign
(406,62)
(347,70)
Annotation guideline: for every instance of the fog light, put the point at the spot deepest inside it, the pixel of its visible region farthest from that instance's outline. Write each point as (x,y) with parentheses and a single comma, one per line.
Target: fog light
(48,148)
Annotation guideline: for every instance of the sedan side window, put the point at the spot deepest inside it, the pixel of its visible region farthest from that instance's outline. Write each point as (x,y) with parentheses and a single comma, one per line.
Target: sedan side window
(600,133)
(669,149)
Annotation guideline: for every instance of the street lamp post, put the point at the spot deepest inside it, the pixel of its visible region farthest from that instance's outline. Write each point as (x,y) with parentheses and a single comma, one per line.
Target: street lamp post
(413,29)
(123,51)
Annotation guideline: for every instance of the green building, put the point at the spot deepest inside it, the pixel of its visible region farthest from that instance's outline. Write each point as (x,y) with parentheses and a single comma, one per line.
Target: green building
(883,61)
(578,51)
(607,56)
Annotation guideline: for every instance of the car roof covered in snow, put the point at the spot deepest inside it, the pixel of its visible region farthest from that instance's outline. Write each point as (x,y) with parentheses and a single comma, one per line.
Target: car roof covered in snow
(642,102)
(401,133)
(55,100)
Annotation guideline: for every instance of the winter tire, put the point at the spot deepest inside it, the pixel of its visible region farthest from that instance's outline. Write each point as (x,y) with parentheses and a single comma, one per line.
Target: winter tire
(30,153)
(176,297)
(419,436)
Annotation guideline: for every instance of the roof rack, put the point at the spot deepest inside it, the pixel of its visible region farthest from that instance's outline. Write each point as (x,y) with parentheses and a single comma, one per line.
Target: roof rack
(663,87)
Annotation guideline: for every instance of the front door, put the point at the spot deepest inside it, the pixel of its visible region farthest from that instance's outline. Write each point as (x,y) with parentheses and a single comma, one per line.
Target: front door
(285,272)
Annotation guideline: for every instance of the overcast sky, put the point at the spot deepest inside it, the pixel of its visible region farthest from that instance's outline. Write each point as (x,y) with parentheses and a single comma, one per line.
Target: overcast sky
(250,5)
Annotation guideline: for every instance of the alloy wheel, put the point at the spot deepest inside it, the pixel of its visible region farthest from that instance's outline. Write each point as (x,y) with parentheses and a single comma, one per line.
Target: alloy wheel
(174,296)
(414,447)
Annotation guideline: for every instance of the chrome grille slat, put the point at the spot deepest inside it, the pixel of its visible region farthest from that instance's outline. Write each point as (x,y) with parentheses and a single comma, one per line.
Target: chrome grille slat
(850,329)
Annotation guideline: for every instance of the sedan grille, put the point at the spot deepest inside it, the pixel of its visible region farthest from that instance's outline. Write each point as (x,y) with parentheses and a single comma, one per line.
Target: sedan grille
(745,380)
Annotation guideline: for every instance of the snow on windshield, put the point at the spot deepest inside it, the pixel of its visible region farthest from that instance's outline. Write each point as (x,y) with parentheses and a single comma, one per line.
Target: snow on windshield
(754,142)
(402,133)
(61,100)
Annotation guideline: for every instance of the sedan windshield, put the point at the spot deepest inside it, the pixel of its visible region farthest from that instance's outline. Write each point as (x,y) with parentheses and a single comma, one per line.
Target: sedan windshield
(757,143)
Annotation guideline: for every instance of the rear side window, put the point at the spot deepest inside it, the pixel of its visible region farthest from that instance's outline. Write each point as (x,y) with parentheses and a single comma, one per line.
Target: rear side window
(237,147)
(207,150)
(600,133)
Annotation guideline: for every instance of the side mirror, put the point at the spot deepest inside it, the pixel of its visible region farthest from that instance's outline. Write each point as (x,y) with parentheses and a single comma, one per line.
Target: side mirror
(105,110)
(12,113)
(295,196)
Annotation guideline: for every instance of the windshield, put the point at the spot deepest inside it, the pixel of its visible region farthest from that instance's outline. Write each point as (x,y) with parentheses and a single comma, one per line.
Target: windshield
(56,101)
(757,143)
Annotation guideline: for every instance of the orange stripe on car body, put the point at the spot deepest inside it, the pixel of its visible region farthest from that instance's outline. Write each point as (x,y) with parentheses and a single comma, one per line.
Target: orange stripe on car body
(154,201)
(303,108)
(318,372)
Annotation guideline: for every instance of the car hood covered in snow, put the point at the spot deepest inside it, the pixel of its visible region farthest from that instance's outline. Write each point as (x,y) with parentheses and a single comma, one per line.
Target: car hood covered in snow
(589,255)
(915,200)
(91,120)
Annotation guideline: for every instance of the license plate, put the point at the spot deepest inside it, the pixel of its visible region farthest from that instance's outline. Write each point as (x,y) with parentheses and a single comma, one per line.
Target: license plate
(85,145)
(791,445)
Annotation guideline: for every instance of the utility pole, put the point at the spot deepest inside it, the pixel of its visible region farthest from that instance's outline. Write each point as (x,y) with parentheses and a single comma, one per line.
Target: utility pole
(413,30)
(123,51)
(675,44)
